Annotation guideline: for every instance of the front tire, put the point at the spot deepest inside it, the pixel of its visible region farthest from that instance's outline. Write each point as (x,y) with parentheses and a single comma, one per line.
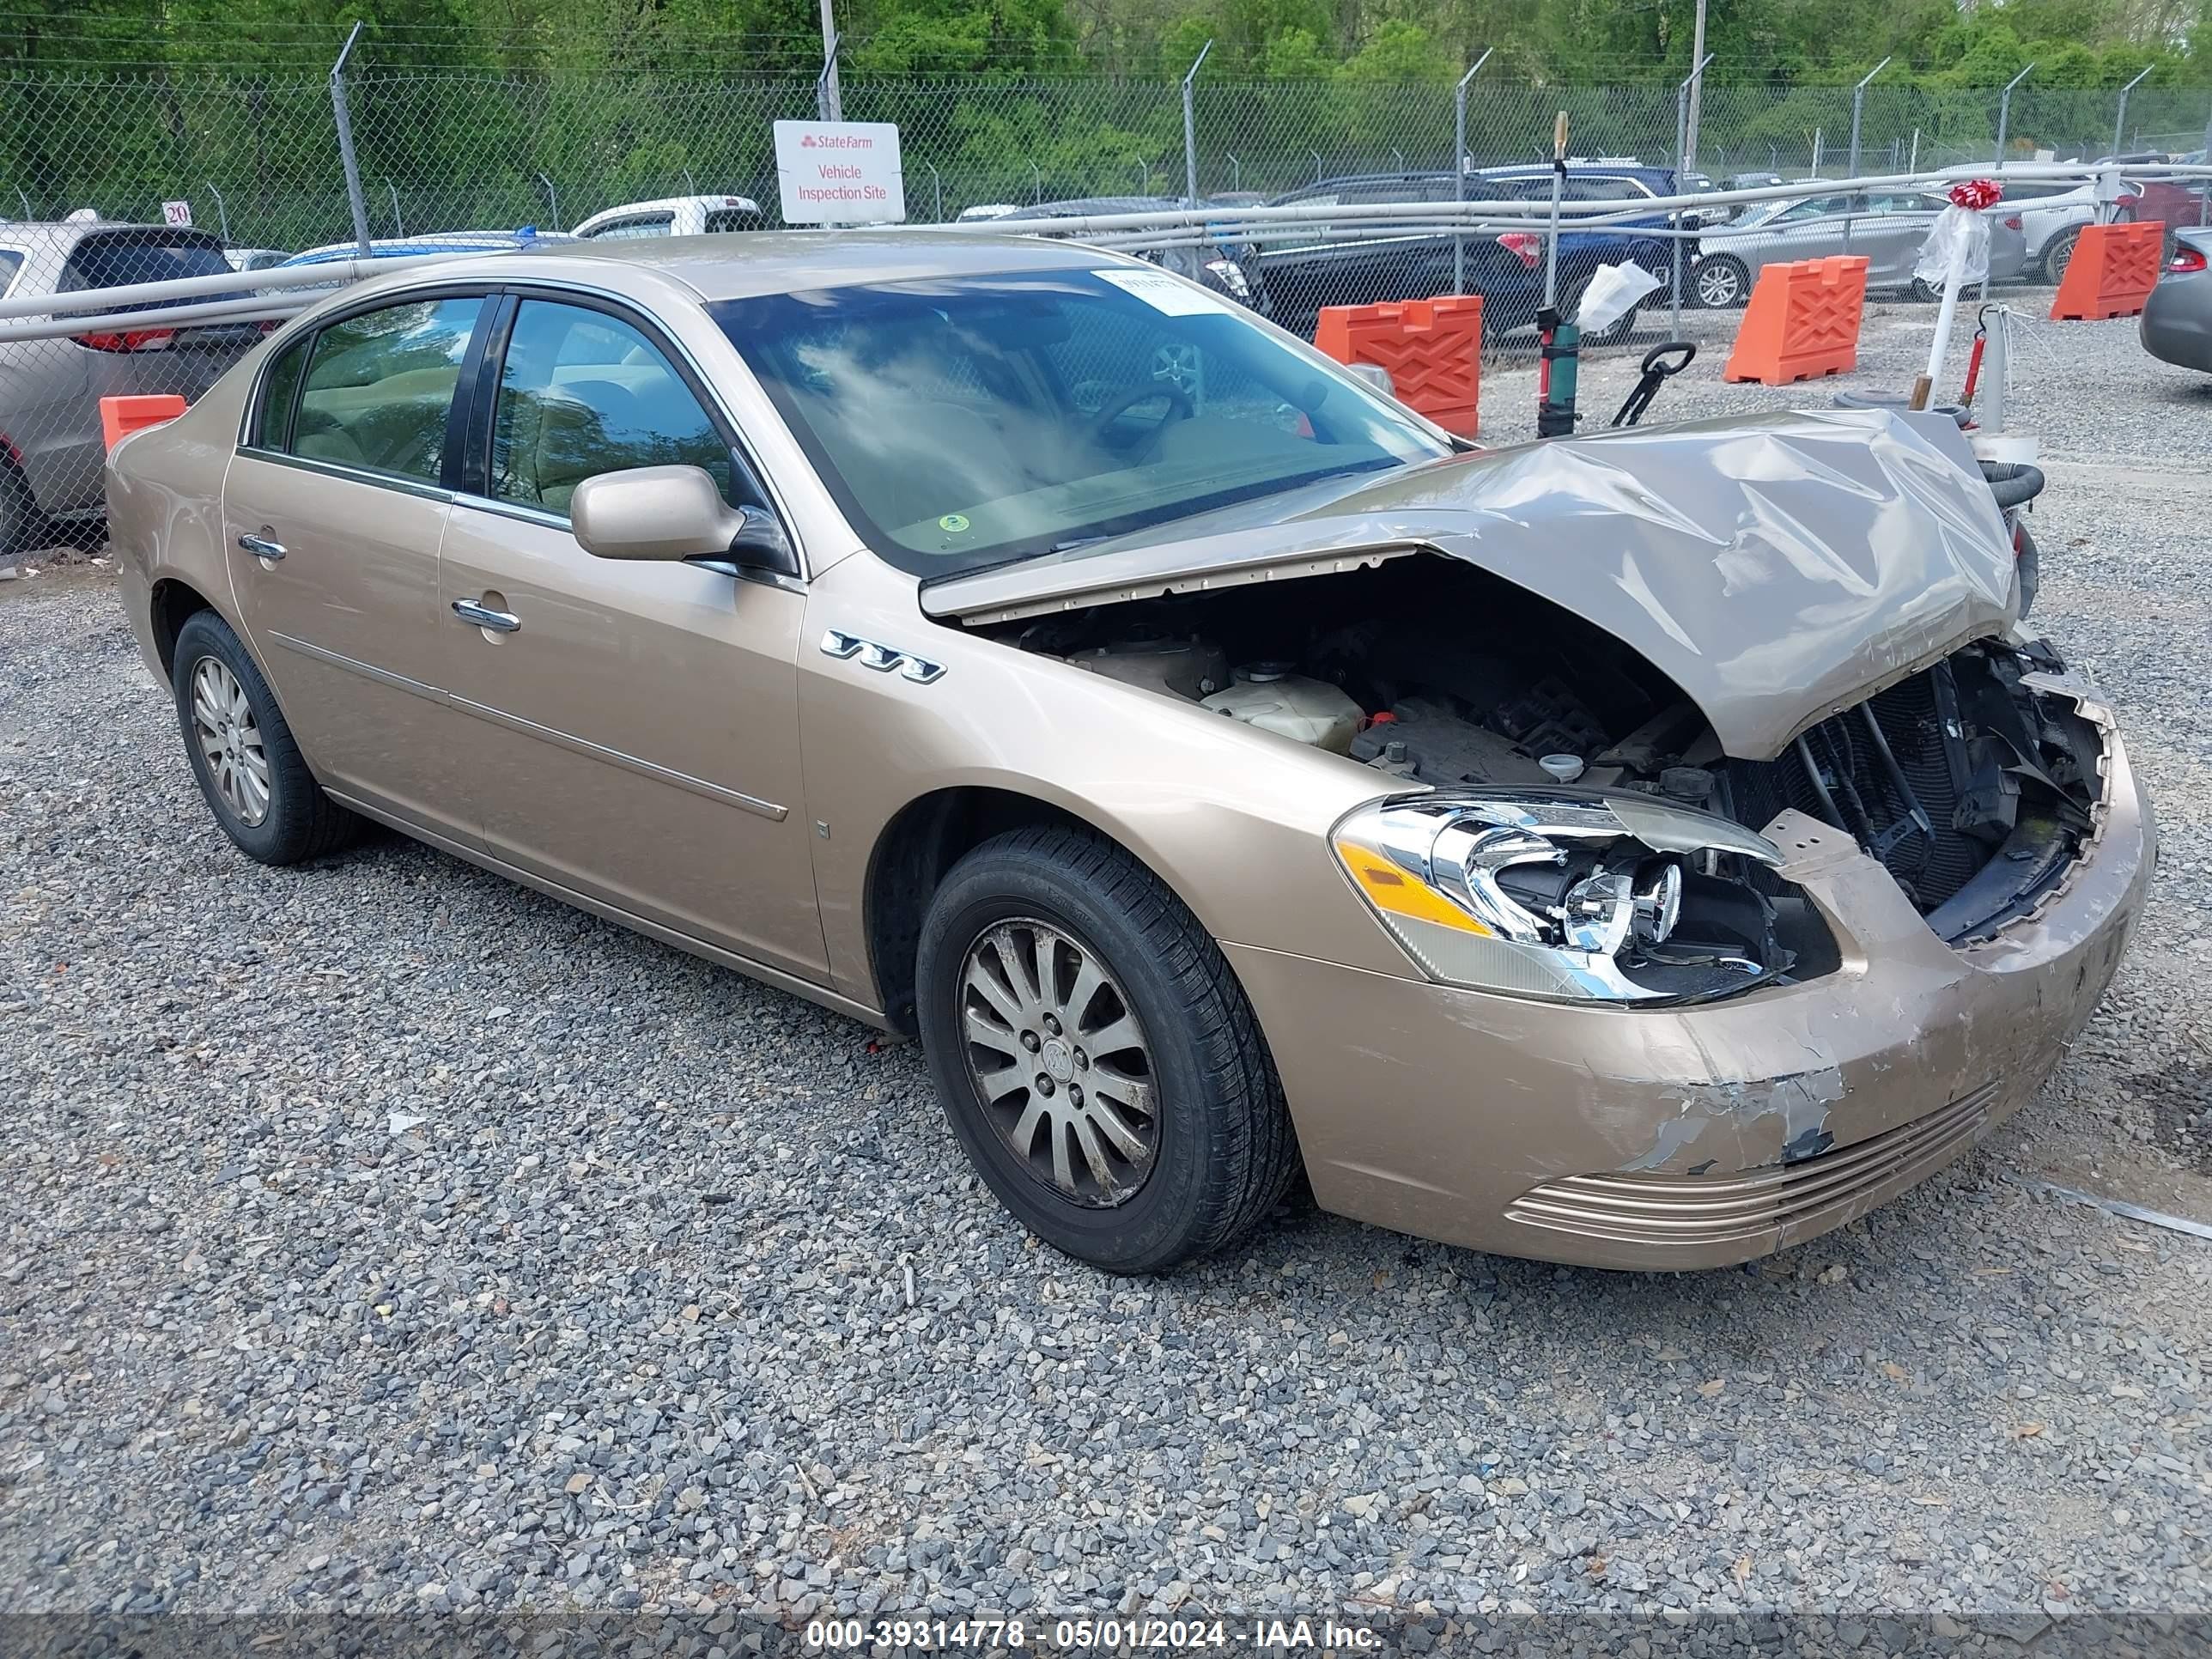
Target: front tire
(1098,1062)
(249,768)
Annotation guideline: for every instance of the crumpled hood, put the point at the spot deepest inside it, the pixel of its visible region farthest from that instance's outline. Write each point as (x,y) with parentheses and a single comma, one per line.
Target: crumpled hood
(1777,567)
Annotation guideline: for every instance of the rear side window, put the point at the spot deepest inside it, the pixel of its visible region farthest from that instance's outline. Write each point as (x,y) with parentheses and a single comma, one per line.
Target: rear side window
(623,230)
(113,258)
(733,218)
(581,394)
(272,419)
(10,263)
(380,386)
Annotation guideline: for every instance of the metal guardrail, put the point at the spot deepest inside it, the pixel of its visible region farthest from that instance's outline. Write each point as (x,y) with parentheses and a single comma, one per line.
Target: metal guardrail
(248,297)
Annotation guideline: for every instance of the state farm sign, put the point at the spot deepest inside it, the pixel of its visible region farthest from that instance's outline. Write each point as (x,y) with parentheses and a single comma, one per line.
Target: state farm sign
(840,173)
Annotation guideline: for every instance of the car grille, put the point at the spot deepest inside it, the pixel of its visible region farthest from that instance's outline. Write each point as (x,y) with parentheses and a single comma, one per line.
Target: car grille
(1864,795)
(1690,1212)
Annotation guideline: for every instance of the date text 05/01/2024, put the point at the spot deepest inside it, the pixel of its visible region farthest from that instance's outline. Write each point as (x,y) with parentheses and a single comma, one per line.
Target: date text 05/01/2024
(1269,1635)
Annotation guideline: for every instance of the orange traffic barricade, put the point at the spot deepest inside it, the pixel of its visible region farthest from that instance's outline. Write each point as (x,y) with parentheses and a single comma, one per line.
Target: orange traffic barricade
(1432,348)
(121,417)
(1802,322)
(2112,273)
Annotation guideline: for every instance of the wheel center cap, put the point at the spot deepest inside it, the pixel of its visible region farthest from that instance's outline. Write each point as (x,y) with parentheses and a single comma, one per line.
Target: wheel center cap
(1059,1061)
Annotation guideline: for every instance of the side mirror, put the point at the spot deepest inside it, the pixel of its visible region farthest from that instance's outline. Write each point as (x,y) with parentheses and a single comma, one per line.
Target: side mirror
(1378,377)
(670,512)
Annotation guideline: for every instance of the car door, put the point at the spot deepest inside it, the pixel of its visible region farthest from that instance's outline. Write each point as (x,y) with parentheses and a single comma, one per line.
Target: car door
(334,508)
(632,728)
(1893,236)
(1810,229)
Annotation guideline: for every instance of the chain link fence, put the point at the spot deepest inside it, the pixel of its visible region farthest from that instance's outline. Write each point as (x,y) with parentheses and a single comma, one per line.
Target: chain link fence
(237,162)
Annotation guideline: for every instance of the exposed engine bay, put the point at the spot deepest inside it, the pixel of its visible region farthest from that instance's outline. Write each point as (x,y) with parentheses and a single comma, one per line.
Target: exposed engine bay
(1970,787)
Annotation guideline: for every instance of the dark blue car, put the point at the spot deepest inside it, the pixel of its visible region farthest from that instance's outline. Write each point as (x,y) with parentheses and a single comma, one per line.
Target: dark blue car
(1349,264)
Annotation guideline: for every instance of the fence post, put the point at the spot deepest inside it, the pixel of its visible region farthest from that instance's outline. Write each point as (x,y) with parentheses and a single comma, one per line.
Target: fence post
(346,158)
(2005,111)
(398,224)
(2120,120)
(1685,158)
(221,209)
(2204,195)
(1190,128)
(1858,109)
(936,191)
(552,199)
(1037,183)
(829,99)
(1558,189)
(1459,168)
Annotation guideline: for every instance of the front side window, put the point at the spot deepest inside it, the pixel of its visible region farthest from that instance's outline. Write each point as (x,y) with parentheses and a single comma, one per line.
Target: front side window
(10,263)
(722,218)
(380,386)
(582,393)
(967,421)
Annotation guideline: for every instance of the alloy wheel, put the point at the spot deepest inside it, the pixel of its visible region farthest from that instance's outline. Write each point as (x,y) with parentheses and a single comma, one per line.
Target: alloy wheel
(1060,1061)
(1718,286)
(230,741)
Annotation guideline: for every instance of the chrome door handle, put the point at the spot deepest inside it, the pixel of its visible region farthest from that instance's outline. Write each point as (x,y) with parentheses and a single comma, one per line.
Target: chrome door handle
(482,615)
(261,547)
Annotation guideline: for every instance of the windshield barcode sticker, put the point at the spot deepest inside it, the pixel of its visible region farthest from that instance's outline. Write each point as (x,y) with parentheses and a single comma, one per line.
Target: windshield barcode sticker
(1162,292)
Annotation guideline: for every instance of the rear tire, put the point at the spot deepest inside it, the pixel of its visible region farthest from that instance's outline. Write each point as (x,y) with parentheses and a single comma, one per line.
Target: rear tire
(1722,282)
(249,768)
(2058,253)
(20,518)
(1033,911)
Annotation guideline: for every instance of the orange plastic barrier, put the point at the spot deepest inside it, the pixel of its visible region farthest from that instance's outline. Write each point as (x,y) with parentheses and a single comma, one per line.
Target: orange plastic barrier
(1432,348)
(121,417)
(1802,322)
(2113,272)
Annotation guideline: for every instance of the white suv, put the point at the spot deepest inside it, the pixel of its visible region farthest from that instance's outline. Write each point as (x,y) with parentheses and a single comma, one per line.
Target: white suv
(674,215)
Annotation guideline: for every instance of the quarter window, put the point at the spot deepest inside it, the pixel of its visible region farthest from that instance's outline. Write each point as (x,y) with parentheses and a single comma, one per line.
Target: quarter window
(272,421)
(623,230)
(380,387)
(582,393)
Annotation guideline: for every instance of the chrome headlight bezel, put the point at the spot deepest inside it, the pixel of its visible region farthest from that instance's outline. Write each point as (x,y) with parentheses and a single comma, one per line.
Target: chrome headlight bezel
(1432,867)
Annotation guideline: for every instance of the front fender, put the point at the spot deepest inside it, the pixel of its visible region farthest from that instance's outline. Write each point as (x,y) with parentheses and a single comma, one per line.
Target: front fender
(1235,821)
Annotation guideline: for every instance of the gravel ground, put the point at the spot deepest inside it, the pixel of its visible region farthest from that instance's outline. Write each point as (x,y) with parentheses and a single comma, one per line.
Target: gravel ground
(382,1235)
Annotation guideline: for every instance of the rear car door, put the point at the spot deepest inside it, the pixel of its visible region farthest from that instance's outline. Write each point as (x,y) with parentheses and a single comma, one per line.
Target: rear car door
(334,508)
(1893,236)
(632,729)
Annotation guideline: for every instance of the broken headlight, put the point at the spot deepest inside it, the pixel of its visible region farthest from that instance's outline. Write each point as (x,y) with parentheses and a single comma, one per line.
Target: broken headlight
(1567,894)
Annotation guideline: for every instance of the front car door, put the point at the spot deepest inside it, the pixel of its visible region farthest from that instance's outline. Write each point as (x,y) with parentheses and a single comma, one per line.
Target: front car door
(633,729)
(334,508)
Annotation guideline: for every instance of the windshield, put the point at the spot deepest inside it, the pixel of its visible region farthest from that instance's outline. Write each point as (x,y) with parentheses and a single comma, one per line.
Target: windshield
(968,421)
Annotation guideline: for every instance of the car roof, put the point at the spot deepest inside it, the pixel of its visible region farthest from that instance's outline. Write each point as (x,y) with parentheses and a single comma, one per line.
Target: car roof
(670,203)
(791,261)
(400,247)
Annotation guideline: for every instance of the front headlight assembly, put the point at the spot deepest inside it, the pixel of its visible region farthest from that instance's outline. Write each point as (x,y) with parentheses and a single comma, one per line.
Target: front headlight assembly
(1567,894)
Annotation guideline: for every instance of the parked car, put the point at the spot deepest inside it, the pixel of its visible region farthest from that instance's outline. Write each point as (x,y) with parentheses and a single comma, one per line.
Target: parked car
(1353,262)
(2052,214)
(1229,268)
(2177,318)
(674,215)
(792,606)
(254,258)
(982,211)
(1889,227)
(50,390)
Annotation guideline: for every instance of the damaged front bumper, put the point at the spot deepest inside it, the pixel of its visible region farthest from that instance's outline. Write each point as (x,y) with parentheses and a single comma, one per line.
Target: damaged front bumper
(1703,1135)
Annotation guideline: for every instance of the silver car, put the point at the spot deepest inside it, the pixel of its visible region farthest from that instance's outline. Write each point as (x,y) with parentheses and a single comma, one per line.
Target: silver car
(2052,217)
(51,449)
(1888,228)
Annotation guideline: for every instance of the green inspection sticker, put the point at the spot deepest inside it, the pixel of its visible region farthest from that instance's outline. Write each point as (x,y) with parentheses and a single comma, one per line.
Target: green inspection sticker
(953,523)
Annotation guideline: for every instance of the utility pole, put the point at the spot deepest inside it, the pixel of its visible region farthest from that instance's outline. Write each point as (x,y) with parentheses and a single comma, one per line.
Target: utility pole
(1697,84)
(833,104)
